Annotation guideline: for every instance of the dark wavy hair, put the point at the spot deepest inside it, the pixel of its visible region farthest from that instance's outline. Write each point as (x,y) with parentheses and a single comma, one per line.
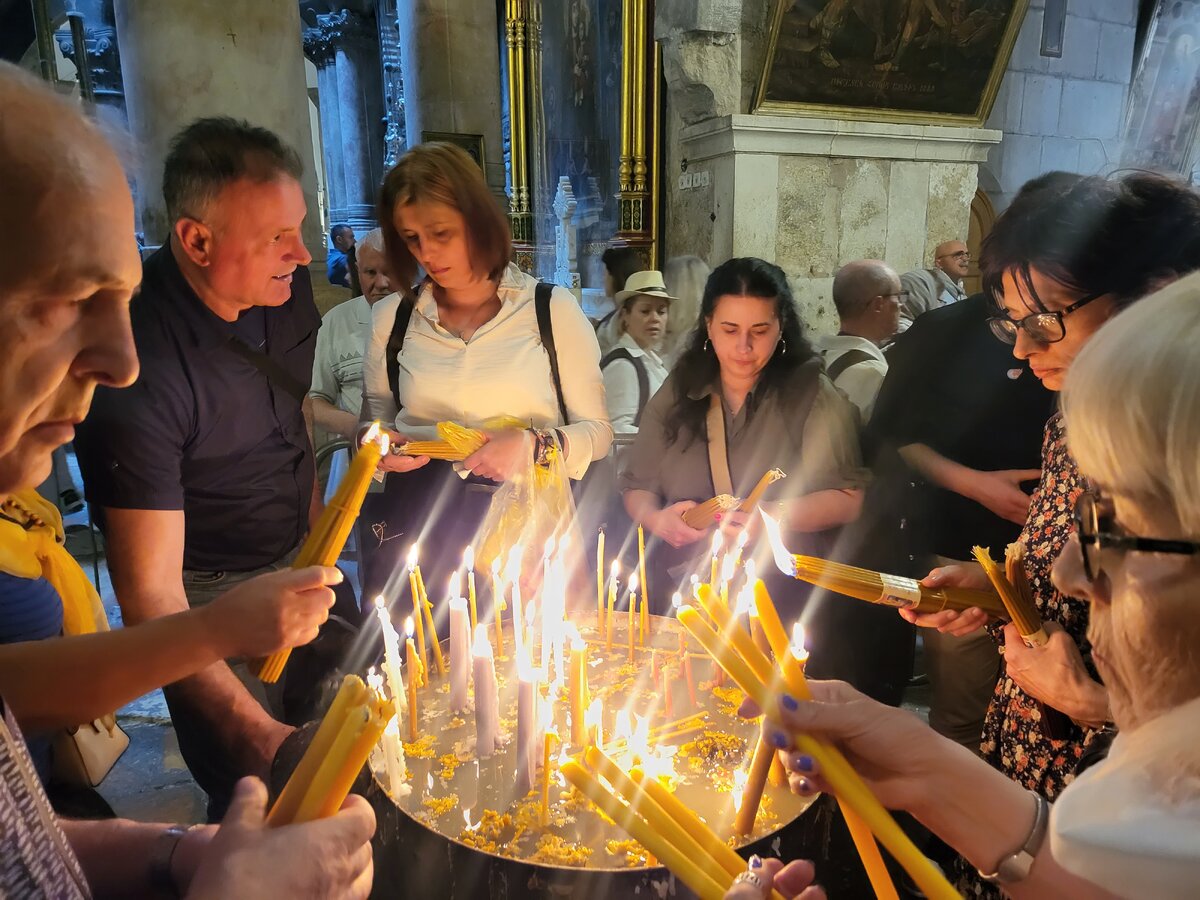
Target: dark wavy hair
(698,367)
(1122,235)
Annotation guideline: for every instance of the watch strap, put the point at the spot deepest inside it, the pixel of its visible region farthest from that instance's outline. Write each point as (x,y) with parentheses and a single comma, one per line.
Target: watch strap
(1016,866)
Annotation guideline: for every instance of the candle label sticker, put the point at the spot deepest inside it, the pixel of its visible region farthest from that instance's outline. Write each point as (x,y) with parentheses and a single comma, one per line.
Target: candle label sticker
(905,590)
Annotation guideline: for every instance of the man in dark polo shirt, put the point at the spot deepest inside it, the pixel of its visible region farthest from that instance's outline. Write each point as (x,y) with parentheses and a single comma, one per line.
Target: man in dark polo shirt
(202,470)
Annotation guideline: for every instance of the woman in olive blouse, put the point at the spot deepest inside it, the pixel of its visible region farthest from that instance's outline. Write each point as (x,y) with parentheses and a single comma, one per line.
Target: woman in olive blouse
(779,411)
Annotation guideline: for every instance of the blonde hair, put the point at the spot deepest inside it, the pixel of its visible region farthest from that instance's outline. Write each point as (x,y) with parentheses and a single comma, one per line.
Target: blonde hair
(1131,403)
(685,277)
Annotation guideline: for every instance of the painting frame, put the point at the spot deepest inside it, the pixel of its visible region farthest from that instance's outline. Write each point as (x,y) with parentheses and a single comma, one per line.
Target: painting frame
(472,143)
(876,113)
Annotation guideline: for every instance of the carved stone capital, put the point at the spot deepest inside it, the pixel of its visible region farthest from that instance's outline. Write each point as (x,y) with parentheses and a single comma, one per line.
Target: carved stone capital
(100,45)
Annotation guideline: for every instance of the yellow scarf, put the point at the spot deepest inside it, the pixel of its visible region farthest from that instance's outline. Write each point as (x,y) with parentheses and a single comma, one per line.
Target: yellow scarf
(35,549)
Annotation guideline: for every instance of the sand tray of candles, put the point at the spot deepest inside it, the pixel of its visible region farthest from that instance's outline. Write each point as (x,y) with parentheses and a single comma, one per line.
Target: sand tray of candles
(701,751)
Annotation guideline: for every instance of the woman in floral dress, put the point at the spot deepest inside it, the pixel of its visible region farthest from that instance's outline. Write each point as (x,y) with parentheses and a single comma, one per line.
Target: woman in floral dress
(1061,261)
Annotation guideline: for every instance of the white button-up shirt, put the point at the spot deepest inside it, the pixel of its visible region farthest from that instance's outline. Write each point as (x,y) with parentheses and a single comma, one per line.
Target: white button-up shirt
(621,384)
(501,371)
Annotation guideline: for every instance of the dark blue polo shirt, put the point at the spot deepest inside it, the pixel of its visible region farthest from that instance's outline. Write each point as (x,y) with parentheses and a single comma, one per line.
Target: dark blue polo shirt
(202,429)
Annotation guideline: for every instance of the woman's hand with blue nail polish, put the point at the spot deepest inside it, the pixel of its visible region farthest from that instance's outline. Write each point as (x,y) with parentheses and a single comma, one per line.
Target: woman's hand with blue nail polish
(794,881)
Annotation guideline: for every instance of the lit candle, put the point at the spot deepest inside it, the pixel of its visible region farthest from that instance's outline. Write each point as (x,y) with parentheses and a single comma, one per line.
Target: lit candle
(645,619)
(612,603)
(427,609)
(756,781)
(716,549)
(526,725)
(577,689)
(393,757)
(685,658)
(391,654)
(487,703)
(469,568)
(739,548)
(512,574)
(600,582)
(594,721)
(548,738)
(727,571)
(328,536)
(460,649)
(413,674)
(498,606)
(633,589)
(414,589)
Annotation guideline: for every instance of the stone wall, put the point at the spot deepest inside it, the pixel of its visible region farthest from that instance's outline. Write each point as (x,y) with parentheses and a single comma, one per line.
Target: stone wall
(1063,113)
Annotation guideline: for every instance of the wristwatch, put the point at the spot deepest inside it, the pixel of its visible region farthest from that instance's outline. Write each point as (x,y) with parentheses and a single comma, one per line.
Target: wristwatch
(162,879)
(1016,866)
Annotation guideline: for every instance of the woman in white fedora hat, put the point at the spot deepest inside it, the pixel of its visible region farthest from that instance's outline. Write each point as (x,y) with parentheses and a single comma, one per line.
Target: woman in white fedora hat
(633,370)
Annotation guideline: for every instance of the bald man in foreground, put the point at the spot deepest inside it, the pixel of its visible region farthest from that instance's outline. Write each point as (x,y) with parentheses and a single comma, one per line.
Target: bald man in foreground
(67,313)
(940,285)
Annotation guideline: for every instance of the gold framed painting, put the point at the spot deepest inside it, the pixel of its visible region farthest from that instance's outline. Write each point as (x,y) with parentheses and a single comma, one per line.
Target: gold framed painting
(920,61)
(472,143)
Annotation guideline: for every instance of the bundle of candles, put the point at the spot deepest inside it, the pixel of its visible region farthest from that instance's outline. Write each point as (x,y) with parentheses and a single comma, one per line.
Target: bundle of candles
(352,727)
(455,443)
(328,537)
(710,511)
(877,587)
(487,752)
(753,671)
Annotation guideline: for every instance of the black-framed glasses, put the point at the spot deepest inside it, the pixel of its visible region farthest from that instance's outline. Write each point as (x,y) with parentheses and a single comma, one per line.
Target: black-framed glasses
(960,254)
(1096,526)
(902,296)
(1043,327)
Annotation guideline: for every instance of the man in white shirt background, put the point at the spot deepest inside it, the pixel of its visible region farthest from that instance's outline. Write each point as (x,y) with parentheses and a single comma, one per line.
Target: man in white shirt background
(868,298)
(337,380)
(940,285)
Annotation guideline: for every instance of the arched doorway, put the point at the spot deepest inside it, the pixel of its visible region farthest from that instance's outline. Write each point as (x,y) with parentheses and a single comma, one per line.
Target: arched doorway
(983,216)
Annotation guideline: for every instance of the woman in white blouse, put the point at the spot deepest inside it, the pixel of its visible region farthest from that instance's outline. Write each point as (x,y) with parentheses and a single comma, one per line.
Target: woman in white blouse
(471,352)
(633,370)
(1129,826)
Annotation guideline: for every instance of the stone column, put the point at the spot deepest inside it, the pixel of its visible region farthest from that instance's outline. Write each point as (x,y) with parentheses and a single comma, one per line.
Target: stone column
(103,59)
(450,53)
(184,59)
(345,47)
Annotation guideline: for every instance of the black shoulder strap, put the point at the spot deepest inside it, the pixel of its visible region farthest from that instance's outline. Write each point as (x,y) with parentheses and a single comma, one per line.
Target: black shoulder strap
(396,342)
(276,374)
(541,303)
(845,361)
(643,378)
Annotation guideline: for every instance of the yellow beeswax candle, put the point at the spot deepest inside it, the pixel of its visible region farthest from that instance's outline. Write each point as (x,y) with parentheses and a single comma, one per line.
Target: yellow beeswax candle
(413,664)
(427,609)
(600,582)
(577,691)
(469,567)
(645,585)
(417,618)
(633,589)
(612,604)
(686,870)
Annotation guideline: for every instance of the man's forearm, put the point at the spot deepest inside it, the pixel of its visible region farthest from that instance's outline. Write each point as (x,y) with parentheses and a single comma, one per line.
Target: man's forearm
(115,855)
(943,472)
(822,509)
(334,420)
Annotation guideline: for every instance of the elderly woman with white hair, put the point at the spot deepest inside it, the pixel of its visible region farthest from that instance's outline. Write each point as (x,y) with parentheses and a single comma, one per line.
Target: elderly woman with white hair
(1130,825)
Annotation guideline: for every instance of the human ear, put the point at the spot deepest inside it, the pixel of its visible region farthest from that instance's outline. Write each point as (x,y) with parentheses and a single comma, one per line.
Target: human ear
(195,240)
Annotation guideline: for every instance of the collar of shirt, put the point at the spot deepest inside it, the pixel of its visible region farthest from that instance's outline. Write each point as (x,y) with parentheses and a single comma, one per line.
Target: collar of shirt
(635,349)
(847,342)
(514,285)
(946,283)
(362,310)
(206,329)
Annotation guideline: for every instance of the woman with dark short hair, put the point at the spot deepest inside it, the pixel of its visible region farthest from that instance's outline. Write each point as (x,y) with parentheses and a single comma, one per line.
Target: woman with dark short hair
(751,386)
(467,344)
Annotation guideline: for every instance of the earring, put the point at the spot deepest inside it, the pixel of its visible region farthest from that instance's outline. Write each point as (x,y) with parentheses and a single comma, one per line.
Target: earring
(783,346)
(706,345)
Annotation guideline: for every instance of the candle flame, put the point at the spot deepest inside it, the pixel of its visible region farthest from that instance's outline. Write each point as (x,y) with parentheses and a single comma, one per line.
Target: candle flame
(633,581)
(727,569)
(615,569)
(676,601)
(379,601)
(469,558)
(455,586)
(482,646)
(745,602)
(751,572)
(414,553)
(375,435)
(408,626)
(694,580)
(799,638)
(716,543)
(512,570)
(740,778)
(374,680)
(496,568)
(623,727)
(640,742)
(783,559)
(743,539)
(546,715)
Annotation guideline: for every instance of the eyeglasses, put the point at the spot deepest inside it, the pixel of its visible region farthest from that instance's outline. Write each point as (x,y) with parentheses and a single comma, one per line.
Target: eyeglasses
(961,254)
(1095,523)
(1043,327)
(902,296)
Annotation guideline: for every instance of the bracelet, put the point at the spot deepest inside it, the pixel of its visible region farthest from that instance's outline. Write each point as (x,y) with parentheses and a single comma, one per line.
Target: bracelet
(1016,866)
(543,447)
(161,878)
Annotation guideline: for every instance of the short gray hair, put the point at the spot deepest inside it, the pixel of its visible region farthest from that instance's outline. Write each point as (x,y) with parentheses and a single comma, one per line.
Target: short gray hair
(373,239)
(857,283)
(211,153)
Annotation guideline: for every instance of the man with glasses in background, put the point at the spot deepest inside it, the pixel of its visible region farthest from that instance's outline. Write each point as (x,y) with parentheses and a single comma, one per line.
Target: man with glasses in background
(938,286)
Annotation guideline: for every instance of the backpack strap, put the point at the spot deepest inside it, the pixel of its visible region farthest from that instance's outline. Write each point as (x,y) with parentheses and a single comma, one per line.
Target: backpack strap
(396,341)
(845,361)
(643,378)
(541,304)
